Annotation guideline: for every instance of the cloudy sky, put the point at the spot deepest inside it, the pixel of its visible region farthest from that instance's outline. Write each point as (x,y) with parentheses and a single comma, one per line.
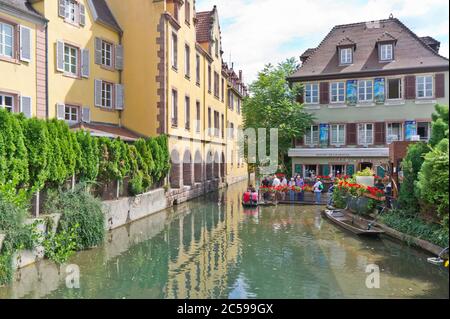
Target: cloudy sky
(257,32)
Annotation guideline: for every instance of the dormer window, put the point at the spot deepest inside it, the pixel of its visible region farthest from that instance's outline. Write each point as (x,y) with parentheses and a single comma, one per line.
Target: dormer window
(386,52)
(346,55)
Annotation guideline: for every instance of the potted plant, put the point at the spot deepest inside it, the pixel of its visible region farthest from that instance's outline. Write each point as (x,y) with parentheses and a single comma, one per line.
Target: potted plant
(365,177)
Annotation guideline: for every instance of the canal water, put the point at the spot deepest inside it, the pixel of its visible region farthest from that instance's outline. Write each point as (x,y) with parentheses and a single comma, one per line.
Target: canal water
(213,248)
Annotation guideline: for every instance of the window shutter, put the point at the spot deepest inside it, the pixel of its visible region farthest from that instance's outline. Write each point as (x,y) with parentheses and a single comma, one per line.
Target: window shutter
(60,56)
(86,114)
(410,87)
(98,51)
(119,57)
(351,134)
(60,111)
(85,61)
(61,8)
(25,106)
(98,93)
(324,93)
(82,17)
(25,44)
(439,85)
(118,88)
(380,133)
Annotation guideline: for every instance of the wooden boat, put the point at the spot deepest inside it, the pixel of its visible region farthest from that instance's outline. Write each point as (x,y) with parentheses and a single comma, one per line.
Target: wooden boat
(356,225)
(250,205)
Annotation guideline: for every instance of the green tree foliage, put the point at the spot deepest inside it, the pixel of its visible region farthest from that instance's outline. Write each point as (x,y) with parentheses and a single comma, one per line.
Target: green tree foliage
(411,164)
(272,104)
(439,127)
(433,180)
(80,211)
(88,166)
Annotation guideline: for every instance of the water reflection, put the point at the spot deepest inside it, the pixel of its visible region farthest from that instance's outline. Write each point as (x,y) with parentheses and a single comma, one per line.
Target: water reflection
(212,248)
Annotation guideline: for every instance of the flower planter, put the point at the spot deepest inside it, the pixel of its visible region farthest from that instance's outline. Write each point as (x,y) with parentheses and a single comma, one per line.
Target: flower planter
(352,203)
(362,204)
(365,180)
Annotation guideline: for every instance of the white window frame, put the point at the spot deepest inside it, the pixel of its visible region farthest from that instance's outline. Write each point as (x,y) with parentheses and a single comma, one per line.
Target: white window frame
(3,36)
(70,110)
(311,136)
(107,88)
(428,130)
(105,51)
(174,50)
(174,107)
(312,88)
(337,95)
(70,14)
(3,105)
(400,89)
(339,128)
(187,61)
(425,96)
(389,132)
(345,56)
(365,87)
(365,142)
(385,54)
(69,63)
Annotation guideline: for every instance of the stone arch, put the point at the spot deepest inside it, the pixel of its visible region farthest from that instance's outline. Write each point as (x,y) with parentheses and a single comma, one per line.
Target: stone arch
(198,167)
(187,168)
(175,177)
(209,165)
(216,165)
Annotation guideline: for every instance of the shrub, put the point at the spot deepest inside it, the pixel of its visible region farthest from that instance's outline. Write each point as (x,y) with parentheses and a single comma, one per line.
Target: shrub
(433,180)
(89,164)
(60,246)
(78,207)
(416,227)
(408,199)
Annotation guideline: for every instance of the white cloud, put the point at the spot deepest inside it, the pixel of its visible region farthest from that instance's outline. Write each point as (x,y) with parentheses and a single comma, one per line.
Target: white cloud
(263,31)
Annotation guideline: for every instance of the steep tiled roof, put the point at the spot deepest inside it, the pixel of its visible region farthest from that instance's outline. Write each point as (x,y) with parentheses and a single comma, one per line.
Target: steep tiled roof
(23,6)
(103,14)
(410,50)
(204,25)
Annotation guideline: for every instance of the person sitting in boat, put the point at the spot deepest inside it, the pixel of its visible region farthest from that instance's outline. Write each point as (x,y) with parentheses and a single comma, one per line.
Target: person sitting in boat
(246,197)
(254,197)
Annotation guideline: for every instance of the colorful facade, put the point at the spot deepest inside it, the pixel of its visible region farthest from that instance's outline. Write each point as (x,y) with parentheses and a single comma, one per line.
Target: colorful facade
(367,85)
(139,68)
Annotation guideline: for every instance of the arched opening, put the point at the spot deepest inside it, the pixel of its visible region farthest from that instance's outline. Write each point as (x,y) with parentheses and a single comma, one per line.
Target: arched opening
(216,165)
(187,168)
(175,177)
(209,166)
(198,166)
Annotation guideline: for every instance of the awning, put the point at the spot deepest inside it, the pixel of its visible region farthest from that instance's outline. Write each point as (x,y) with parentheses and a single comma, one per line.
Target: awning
(105,130)
(339,152)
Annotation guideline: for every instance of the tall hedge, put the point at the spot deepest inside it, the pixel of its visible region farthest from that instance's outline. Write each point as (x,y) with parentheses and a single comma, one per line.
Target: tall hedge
(36,153)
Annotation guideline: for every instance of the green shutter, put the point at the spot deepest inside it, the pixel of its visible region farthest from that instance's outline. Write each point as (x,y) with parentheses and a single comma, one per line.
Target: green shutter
(350,169)
(325,170)
(299,169)
(380,171)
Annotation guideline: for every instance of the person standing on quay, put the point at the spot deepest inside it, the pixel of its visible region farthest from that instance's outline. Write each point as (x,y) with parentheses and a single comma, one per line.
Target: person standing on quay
(318,187)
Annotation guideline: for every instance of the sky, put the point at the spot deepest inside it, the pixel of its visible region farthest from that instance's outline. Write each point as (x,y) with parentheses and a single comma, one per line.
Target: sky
(258,32)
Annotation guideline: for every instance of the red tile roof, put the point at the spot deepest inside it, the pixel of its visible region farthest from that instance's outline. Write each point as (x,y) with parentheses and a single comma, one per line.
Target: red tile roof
(204,25)
(410,51)
(105,130)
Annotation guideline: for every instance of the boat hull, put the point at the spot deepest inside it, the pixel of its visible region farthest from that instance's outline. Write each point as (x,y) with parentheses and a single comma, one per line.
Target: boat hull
(359,227)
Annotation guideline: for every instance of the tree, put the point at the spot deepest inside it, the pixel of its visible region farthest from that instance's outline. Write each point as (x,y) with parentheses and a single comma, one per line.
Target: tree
(272,104)
(439,126)
(411,164)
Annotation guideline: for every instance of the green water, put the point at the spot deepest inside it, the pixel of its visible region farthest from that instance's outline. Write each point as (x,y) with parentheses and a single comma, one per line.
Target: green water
(212,248)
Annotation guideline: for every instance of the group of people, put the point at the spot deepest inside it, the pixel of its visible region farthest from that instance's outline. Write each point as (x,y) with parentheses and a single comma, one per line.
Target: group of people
(296,181)
(250,196)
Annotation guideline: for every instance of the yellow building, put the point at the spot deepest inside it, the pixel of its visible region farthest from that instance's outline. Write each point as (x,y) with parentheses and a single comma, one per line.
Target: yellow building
(177,85)
(22,59)
(128,69)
